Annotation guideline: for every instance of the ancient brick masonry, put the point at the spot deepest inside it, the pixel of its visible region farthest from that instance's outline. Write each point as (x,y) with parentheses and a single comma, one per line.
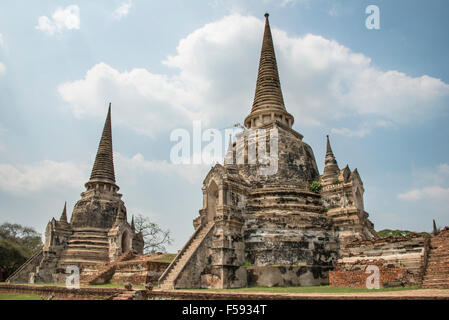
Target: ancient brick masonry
(97,232)
(131,268)
(399,260)
(343,198)
(268,229)
(436,265)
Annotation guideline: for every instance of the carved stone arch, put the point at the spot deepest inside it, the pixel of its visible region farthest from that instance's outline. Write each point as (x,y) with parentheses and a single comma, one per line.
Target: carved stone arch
(359,198)
(126,240)
(212,200)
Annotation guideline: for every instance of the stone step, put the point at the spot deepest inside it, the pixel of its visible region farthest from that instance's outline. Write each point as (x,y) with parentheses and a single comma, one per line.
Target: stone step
(286,206)
(82,250)
(78,246)
(72,261)
(184,258)
(103,242)
(436,281)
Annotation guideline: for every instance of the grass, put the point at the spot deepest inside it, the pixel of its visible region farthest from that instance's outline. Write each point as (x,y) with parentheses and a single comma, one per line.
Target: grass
(8,296)
(105,285)
(314,289)
(167,257)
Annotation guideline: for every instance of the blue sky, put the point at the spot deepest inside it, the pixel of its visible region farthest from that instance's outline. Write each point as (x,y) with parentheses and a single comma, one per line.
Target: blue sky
(382,95)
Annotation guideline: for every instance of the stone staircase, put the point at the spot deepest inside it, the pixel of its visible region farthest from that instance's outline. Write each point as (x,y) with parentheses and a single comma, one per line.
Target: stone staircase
(437,270)
(105,271)
(170,275)
(86,246)
(21,274)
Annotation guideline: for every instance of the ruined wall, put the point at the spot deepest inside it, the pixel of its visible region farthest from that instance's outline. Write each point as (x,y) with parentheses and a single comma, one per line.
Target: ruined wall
(398,259)
(389,275)
(61,292)
(138,272)
(285,276)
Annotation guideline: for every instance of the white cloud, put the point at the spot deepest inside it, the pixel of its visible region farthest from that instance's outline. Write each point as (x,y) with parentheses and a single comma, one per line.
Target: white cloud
(68,18)
(1,40)
(137,163)
(434,193)
(323,83)
(123,10)
(362,129)
(144,101)
(46,174)
(432,184)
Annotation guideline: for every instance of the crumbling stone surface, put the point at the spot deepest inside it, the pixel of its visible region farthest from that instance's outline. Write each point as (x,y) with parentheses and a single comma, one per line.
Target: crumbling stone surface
(398,259)
(287,276)
(98,230)
(436,264)
(342,193)
(262,219)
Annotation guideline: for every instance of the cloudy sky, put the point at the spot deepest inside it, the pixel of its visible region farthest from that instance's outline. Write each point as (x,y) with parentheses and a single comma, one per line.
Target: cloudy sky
(382,95)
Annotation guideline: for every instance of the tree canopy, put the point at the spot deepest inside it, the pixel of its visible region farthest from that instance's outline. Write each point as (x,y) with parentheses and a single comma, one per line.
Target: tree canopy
(17,244)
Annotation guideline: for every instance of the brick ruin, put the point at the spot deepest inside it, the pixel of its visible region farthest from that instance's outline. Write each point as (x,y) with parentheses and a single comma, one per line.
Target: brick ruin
(398,259)
(98,230)
(413,260)
(137,269)
(270,229)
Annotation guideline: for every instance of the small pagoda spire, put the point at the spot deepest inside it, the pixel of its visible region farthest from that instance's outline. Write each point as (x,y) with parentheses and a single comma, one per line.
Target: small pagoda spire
(64,214)
(330,163)
(329,148)
(103,169)
(229,157)
(268,102)
(435,229)
(133,226)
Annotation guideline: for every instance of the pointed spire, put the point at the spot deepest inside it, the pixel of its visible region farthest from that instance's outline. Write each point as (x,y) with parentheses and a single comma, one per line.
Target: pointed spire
(328,148)
(133,227)
(330,164)
(103,168)
(64,213)
(229,158)
(268,102)
(435,229)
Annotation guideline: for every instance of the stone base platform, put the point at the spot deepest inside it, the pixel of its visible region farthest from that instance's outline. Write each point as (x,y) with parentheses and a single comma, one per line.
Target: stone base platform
(285,276)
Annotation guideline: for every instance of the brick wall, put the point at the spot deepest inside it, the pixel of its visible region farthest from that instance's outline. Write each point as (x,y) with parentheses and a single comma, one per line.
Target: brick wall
(389,276)
(60,292)
(399,260)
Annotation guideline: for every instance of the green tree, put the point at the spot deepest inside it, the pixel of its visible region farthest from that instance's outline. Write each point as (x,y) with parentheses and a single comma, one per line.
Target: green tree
(17,244)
